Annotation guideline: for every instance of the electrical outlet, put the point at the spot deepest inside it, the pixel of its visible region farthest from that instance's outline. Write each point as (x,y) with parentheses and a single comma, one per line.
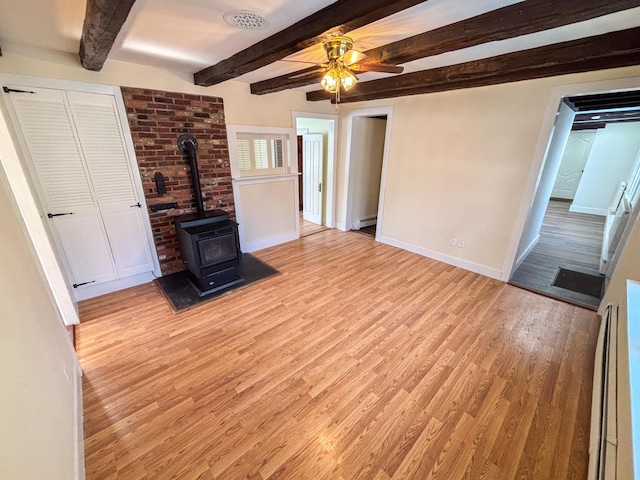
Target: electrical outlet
(461,243)
(453,241)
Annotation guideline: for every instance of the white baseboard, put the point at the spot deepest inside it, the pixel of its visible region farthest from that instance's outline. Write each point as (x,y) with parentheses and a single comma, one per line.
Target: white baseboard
(79,433)
(456,262)
(269,241)
(590,210)
(90,291)
(526,252)
(341,226)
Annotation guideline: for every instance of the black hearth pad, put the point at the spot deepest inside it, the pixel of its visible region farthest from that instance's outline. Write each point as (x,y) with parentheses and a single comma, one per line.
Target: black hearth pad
(182,294)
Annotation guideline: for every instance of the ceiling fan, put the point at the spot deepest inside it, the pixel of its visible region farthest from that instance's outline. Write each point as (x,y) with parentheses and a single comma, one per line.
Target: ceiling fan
(343,61)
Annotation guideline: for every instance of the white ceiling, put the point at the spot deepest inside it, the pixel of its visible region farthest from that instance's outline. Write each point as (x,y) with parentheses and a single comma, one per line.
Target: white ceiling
(188,35)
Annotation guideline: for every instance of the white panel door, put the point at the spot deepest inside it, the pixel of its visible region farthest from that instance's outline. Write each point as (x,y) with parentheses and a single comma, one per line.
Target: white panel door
(63,183)
(312,177)
(574,158)
(102,143)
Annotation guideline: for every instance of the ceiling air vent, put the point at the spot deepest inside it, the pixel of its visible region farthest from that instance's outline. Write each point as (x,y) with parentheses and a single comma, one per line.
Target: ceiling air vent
(246,20)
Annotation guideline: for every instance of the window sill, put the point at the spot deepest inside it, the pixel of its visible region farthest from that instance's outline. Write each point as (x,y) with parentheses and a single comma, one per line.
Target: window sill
(265,178)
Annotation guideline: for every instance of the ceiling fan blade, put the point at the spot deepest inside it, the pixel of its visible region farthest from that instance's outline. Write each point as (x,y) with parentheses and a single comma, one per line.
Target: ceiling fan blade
(377,67)
(352,56)
(302,61)
(306,72)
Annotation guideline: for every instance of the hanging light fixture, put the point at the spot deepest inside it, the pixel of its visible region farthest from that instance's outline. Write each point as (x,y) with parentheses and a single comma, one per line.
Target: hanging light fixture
(338,74)
(343,61)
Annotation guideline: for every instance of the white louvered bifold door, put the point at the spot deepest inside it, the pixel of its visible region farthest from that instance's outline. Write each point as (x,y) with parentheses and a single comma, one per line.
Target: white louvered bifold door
(102,143)
(63,183)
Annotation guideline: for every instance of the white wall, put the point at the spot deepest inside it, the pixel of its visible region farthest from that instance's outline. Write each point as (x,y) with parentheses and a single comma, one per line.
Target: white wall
(367,148)
(610,161)
(461,163)
(38,403)
(628,267)
(267,212)
(558,141)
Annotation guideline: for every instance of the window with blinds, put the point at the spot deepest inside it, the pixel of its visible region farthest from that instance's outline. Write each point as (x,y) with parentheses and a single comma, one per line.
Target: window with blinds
(261,154)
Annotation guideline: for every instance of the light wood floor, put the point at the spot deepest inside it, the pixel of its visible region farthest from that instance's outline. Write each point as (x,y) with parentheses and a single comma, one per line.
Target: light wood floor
(358,361)
(568,240)
(309,228)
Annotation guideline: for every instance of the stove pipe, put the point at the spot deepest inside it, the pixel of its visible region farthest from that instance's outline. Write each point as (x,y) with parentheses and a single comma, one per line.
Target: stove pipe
(189,145)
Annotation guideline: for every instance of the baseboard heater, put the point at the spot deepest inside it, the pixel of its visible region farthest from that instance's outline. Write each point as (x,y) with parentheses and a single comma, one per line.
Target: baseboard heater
(365,222)
(603,440)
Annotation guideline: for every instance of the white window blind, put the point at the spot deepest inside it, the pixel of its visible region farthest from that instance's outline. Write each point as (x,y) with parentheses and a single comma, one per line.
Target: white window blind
(261,154)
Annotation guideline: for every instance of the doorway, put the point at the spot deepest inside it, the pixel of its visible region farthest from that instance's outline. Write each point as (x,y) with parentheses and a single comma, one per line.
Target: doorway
(316,171)
(369,131)
(580,192)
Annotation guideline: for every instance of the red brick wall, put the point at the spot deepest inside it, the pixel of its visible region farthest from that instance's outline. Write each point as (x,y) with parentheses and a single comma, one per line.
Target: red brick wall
(156,120)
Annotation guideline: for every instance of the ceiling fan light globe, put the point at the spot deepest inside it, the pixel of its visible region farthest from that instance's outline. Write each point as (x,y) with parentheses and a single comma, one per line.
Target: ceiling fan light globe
(347,79)
(331,81)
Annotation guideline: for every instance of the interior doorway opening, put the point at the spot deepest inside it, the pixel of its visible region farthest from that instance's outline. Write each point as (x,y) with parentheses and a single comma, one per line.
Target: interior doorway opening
(316,145)
(367,151)
(584,199)
(369,131)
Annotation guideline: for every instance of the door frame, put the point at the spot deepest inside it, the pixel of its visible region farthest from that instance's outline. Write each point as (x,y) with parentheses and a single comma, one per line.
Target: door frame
(305,179)
(537,172)
(385,110)
(332,154)
(29,203)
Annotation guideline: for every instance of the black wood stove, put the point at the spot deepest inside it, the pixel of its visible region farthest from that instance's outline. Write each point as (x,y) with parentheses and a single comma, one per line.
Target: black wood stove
(209,244)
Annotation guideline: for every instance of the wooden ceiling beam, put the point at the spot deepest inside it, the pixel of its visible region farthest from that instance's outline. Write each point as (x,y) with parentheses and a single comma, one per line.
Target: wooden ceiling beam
(508,22)
(300,78)
(611,50)
(342,17)
(580,103)
(102,22)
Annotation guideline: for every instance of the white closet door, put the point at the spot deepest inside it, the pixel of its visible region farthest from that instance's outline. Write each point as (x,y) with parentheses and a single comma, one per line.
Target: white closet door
(63,183)
(102,143)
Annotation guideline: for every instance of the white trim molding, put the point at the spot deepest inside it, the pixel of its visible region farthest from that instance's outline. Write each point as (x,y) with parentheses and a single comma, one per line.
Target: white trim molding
(526,252)
(269,241)
(441,257)
(386,110)
(332,155)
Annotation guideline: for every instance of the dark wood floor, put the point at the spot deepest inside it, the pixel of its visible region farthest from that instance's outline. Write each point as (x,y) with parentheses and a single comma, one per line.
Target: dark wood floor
(369,230)
(358,361)
(568,240)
